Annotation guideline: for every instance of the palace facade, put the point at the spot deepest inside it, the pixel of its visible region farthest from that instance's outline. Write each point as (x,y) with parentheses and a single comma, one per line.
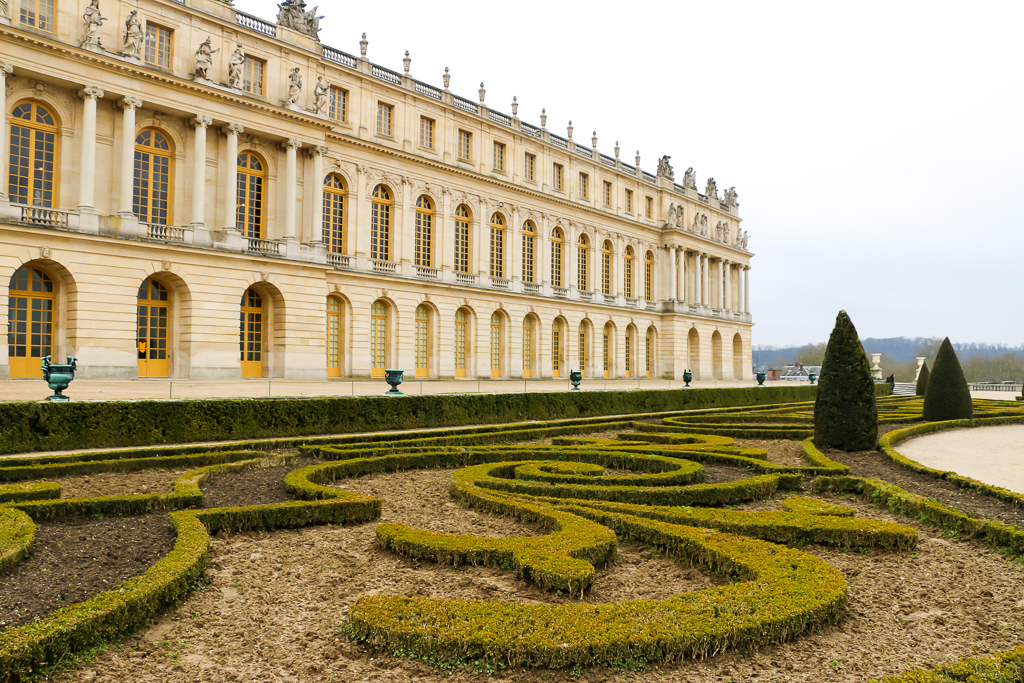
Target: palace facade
(194,192)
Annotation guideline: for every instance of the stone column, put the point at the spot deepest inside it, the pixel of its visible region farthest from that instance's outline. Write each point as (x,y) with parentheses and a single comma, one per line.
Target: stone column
(200,122)
(746,289)
(318,152)
(671,272)
(727,304)
(87,171)
(229,221)
(127,203)
(681,279)
(5,137)
(290,187)
(720,274)
(705,297)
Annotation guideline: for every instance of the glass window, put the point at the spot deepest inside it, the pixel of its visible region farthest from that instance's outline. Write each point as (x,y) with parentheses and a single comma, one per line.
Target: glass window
(380,225)
(158,46)
(499,156)
(529,172)
(152,177)
(629,201)
(649,209)
(250,334)
(497,246)
(528,347)
(337,109)
(629,353)
(249,199)
(333,337)
(556,349)
(422,341)
(252,75)
(334,213)
(33,152)
(607,193)
(462,239)
(606,267)
(649,277)
(556,181)
(583,354)
(496,345)
(460,343)
(556,257)
(31,321)
(529,242)
(581,275)
(584,186)
(627,273)
(37,14)
(465,138)
(424,231)
(378,339)
(384,117)
(426,132)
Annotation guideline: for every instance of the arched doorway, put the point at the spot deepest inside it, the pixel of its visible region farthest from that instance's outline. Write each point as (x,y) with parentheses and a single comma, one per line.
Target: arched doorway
(608,350)
(629,347)
(251,334)
(693,352)
(737,356)
(335,341)
(651,352)
(461,342)
(716,356)
(583,349)
(422,349)
(378,338)
(497,347)
(31,310)
(153,326)
(530,330)
(558,331)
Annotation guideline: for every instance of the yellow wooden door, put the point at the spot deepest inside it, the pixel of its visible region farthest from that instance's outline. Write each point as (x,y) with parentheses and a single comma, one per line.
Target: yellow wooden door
(422,342)
(151,338)
(31,307)
(333,337)
(378,340)
(250,334)
(460,343)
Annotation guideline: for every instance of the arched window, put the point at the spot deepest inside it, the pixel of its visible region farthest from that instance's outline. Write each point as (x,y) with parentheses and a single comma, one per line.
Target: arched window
(581,273)
(627,273)
(422,341)
(249,206)
(333,336)
(649,276)
(250,334)
(497,246)
(461,342)
(380,225)
(529,242)
(496,345)
(33,155)
(462,239)
(151,338)
(583,355)
(31,309)
(334,213)
(378,338)
(528,348)
(606,267)
(424,232)
(557,241)
(556,349)
(151,196)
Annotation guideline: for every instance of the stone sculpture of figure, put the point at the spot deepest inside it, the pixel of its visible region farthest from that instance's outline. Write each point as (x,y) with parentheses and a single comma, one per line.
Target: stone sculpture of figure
(320,92)
(704,225)
(690,179)
(696,224)
(718,231)
(294,85)
(665,168)
(204,59)
(671,214)
(711,190)
(741,242)
(235,67)
(133,35)
(293,14)
(726,233)
(93,24)
(730,197)
(679,217)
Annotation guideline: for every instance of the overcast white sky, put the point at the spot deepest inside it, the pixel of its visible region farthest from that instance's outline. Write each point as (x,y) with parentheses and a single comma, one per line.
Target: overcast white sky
(877,147)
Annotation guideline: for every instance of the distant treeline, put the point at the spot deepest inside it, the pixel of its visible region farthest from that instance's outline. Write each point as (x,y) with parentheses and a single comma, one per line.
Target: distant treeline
(981,362)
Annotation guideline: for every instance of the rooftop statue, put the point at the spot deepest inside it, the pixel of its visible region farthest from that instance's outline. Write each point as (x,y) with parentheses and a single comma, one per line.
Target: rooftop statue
(711,190)
(665,168)
(292,14)
(204,59)
(690,179)
(730,198)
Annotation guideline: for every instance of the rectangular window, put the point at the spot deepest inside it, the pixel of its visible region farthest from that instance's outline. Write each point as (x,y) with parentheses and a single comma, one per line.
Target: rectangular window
(584,186)
(252,75)
(529,171)
(426,132)
(649,209)
(37,14)
(384,117)
(607,193)
(556,181)
(158,46)
(499,156)
(338,108)
(629,201)
(465,138)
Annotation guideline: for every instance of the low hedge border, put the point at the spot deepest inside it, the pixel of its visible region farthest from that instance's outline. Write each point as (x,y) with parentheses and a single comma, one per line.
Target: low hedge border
(784,593)
(887,444)
(70,469)
(1007,539)
(17,533)
(1004,667)
(820,460)
(12,493)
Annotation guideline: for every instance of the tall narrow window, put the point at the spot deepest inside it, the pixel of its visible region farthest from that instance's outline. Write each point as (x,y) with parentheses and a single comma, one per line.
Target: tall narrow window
(530,167)
(337,109)
(499,157)
(581,274)
(424,232)
(465,138)
(556,179)
(583,356)
(648,350)
(606,267)
(649,208)
(606,350)
(629,353)
(334,213)
(426,132)
(529,244)
(158,46)
(584,186)
(627,273)
(496,345)
(460,343)
(380,225)
(249,200)
(32,168)
(557,242)
(462,239)
(151,336)
(31,311)
(333,337)
(629,201)
(528,348)
(37,14)
(649,276)
(152,182)
(250,334)
(607,193)
(384,117)
(556,349)
(422,341)
(378,339)
(497,246)
(252,75)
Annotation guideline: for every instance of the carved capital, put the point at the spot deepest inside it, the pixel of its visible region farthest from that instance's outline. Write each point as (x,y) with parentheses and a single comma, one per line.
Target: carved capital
(90,92)
(130,102)
(291,143)
(234,129)
(201,121)
(6,68)
(317,151)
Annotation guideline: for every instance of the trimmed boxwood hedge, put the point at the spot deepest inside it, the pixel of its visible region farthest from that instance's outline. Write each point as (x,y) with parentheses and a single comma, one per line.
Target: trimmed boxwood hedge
(1004,667)
(17,532)
(26,427)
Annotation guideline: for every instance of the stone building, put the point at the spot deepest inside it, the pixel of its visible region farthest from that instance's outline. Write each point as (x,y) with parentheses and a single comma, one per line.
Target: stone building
(194,192)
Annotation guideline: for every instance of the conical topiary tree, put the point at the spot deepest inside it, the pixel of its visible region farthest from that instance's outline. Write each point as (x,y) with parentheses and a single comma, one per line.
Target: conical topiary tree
(947,396)
(845,414)
(922,379)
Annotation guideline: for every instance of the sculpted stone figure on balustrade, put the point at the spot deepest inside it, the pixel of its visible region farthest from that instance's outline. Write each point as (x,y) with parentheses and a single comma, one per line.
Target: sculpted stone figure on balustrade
(204,59)
(679,217)
(293,14)
(730,198)
(93,24)
(671,214)
(665,168)
(711,190)
(235,67)
(320,93)
(133,35)
(690,179)
(294,86)
(741,239)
